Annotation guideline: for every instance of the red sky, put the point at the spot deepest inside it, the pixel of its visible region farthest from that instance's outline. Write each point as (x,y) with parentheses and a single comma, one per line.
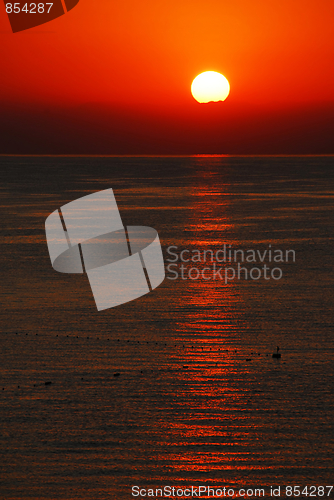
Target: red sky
(115,78)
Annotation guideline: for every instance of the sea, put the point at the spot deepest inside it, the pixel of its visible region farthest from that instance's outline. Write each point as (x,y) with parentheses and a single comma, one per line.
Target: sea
(175,394)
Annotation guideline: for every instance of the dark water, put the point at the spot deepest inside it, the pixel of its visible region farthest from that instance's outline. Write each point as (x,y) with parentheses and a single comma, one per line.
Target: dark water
(187,408)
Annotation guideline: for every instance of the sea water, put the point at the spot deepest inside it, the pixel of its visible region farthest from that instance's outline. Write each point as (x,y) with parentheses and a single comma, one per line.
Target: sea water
(199,400)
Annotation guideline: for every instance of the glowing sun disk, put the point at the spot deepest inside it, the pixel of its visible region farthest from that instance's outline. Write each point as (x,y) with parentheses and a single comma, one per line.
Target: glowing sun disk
(210,86)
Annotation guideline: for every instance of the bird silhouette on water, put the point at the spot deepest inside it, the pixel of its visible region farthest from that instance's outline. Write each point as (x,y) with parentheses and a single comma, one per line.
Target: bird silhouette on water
(277,354)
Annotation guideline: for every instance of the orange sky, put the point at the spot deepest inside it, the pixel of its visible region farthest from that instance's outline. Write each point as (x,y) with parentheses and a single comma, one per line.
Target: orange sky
(141,57)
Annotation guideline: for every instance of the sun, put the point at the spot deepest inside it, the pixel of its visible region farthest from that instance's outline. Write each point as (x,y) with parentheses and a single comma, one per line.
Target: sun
(210,86)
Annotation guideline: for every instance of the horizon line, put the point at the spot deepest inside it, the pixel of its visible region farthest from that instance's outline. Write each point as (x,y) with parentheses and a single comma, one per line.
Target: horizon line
(199,155)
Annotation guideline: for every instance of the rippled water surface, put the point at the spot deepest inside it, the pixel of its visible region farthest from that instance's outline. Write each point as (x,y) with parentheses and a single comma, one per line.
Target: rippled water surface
(199,399)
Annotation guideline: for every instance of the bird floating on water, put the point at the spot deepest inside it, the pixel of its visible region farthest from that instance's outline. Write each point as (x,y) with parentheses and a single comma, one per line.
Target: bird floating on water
(277,354)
